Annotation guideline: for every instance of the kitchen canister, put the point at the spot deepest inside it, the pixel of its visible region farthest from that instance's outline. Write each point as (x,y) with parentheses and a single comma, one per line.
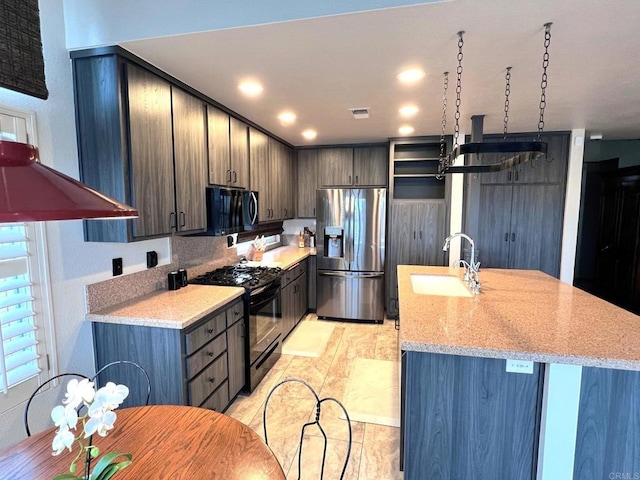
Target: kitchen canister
(174,280)
(183,277)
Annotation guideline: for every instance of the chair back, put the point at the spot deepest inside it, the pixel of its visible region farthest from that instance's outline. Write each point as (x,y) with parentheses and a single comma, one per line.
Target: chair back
(316,421)
(128,373)
(39,389)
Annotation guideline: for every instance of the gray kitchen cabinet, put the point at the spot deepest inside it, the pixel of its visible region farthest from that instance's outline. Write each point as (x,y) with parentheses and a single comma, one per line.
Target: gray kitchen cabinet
(190,157)
(201,365)
(239,166)
(520,211)
(417,232)
(129,138)
(260,171)
(307,183)
(358,166)
(312,266)
(294,296)
(370,166)
(466,417)
(228,150)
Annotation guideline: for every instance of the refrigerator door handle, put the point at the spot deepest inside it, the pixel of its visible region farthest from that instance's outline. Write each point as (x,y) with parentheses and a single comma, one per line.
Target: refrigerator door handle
(351,274)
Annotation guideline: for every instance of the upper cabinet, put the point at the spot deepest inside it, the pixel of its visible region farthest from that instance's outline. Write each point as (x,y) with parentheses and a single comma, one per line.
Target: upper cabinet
(307,183)
(132,126)
(260,172)
(359,166)
(228,150)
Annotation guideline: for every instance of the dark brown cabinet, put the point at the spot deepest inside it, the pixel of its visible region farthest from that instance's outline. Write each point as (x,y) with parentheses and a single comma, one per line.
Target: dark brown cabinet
(358,166)
(202,365)
(307,183)
(228,149)
(135,129)
(294,296)
(520,211)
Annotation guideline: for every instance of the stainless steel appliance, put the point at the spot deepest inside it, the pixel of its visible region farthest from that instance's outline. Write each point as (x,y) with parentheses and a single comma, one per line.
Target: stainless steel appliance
(350,251)
(263,314)
(230,210)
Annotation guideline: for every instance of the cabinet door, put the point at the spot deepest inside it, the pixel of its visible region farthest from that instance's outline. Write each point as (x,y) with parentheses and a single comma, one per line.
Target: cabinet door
(189,145)
(335,166)
(399,250)
(235,342)
(219,148)
(288,308)
(303,304)
(275,179)
(239,153)
(289,176)
(494,228)
(311,277)
(259,152)
(536,228)
(307,183)
(549,168)
(151,158)
(370,166)
(429,223)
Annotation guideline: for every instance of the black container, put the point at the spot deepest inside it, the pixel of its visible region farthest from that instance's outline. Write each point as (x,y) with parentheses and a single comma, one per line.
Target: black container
(174,280)
(182,273)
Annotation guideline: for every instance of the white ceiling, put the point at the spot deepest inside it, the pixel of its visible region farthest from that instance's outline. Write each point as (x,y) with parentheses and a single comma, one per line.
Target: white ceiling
(321,67)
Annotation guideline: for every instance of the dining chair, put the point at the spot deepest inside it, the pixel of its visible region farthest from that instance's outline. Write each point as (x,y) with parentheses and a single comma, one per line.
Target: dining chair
(39,389)
(318,407)
(118,373)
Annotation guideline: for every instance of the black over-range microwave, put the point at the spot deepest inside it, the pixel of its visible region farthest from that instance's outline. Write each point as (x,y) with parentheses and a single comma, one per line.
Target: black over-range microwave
(231,210)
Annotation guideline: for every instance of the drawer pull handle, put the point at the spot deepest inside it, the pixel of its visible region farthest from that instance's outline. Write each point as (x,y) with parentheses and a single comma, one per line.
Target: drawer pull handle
(210,354)
(210,331)
(236,313)
(212,380)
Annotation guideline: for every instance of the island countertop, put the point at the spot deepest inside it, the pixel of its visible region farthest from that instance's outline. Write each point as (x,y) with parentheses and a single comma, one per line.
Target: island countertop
(520,314)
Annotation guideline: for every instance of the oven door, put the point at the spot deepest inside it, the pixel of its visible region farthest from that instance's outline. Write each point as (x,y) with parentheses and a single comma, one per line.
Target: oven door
(265,319)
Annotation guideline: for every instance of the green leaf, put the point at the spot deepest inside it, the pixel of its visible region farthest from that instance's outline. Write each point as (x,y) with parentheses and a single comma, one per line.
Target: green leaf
(106,466)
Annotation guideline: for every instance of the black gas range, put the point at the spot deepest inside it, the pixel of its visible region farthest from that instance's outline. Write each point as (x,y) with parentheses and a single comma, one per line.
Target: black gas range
(262,313)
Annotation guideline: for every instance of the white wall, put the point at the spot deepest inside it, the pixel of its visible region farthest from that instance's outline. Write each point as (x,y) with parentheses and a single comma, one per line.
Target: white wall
(73,263)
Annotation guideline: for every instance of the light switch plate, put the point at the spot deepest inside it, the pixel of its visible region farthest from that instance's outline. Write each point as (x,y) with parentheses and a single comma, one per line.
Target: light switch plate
(519,366)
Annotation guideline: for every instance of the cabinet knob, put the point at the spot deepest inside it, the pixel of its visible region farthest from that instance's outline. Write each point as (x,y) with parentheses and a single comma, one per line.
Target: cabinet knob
(513,237)
(236,313)
(506,237)
(349,179)
(210,331)
(172,221)
(235,177)
(229,176)
(183,219)
(356,179)
(210,354)
(212,380)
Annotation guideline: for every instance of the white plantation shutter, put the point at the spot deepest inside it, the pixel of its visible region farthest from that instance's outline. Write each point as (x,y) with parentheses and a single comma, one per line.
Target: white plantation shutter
(18,330)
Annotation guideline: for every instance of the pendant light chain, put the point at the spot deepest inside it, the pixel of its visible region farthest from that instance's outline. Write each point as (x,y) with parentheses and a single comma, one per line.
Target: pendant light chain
(445,87)
(543,83)
(456,130)
(507,91)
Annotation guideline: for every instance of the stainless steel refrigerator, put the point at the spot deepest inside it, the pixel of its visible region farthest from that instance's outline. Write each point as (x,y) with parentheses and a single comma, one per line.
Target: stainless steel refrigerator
(350,230)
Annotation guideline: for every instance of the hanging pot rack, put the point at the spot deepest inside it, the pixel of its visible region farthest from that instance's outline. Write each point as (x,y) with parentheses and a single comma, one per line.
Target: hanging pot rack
(513,152)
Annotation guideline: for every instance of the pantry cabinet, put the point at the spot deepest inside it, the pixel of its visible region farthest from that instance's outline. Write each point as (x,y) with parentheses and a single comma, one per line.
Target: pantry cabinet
(307,183)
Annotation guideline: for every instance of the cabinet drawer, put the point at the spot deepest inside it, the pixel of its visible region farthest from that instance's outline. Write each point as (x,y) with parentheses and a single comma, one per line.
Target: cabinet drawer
(202,357)
(201,335)
(235,313)
(207,381)
(219,400)
(293,272)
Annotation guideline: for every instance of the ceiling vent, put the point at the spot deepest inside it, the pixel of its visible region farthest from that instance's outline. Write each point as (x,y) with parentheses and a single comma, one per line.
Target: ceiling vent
(360,113)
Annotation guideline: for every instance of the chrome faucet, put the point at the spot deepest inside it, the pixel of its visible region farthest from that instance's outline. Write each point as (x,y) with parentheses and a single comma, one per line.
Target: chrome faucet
(471,268)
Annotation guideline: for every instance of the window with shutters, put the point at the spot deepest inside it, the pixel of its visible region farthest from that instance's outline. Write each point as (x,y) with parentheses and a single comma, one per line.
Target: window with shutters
(26,329)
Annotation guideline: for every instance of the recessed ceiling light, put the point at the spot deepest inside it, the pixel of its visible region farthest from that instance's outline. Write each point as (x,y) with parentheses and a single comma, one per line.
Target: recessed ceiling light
(287,118)
(409,110)
(410,76)
(309,134)
(251,89)
(405,130)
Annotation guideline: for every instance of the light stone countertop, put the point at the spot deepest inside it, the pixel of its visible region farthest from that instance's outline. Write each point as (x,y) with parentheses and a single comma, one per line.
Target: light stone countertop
(520,314)
(284,257)
(169,308)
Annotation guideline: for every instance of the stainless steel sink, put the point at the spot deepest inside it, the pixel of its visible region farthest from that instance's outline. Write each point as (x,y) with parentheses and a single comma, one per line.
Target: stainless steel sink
(443,285)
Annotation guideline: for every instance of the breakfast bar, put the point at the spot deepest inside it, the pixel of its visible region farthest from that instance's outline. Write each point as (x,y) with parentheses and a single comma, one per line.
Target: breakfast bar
(532,378)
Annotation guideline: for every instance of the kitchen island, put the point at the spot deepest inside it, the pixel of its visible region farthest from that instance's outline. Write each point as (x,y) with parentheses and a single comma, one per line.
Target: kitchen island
(532,378)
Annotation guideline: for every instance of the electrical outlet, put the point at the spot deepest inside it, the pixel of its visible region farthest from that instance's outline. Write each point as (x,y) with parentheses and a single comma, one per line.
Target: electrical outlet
(232,240)
(116,264)
(152,259)
(519,366)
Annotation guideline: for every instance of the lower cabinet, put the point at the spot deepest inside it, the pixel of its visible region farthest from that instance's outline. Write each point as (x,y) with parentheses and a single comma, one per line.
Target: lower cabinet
(294,296)
(466,417)
(312,268)
(202,365)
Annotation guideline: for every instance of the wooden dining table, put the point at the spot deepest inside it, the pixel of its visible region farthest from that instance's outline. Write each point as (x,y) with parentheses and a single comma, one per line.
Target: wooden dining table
(166,441)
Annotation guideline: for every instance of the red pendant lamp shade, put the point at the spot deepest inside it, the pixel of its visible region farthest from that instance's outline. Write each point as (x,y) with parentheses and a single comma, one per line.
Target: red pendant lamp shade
(30,191)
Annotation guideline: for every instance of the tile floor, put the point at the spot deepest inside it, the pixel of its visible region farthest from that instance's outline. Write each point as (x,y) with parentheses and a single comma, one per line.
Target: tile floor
(375,448)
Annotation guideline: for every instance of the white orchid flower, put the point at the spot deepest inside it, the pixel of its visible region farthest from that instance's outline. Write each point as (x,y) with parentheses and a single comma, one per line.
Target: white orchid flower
(78,392)
(63,439)
(100,424)
(64,417)
(110,396)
